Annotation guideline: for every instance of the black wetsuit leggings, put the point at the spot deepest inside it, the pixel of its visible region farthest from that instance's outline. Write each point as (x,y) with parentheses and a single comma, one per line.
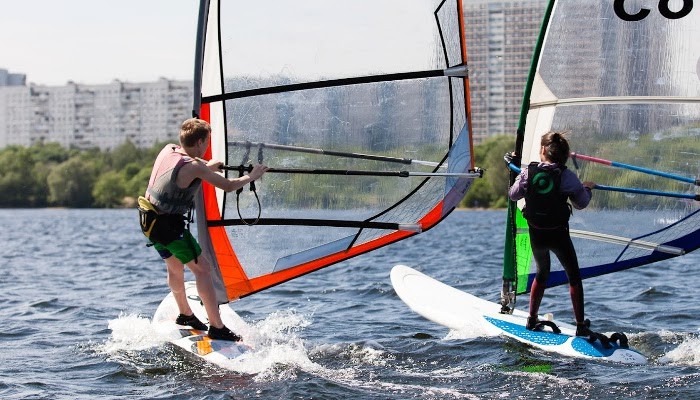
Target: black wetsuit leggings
(558,242)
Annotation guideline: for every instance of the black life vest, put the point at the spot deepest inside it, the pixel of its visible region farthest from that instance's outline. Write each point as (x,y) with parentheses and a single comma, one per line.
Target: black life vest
(545,205)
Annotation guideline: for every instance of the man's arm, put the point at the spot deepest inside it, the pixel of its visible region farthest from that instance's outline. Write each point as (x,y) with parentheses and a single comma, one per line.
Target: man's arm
(205,172)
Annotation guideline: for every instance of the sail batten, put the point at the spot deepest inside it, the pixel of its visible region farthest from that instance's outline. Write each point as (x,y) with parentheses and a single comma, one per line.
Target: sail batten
(376,157)
(398,226)
(617,100)
(620,240)
(326,84)
(626,241)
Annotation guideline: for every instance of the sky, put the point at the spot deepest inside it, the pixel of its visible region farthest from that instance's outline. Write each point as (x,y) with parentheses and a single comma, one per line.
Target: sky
(96,41)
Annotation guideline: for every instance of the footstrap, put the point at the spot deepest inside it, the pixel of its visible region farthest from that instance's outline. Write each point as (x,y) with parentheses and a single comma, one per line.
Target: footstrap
(621,338)
(606,341)
(541,324)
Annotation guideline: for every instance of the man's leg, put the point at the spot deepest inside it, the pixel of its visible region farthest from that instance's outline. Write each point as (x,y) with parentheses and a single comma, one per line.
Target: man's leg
(176,282)
(205,287)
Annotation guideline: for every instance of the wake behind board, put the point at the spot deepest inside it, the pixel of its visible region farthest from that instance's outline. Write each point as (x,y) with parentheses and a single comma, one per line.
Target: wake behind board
(458,310)
(219,352)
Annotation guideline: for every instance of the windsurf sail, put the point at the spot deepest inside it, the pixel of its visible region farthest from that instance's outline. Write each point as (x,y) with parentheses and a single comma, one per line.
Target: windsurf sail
(623,78)
(360,108)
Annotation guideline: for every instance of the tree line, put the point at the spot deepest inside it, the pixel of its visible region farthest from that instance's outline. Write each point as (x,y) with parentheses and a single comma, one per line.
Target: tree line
(49,175)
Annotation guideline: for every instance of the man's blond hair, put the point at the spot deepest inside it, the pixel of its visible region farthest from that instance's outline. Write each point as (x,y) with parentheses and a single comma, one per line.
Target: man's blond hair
(193,130)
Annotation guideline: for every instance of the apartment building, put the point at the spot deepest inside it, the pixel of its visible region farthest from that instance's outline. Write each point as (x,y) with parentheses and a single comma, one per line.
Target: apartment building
(88,116)
(501,36)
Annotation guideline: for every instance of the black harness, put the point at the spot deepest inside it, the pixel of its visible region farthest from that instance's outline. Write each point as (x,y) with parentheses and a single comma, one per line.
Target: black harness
(161,228)
(164,228)
(545,205)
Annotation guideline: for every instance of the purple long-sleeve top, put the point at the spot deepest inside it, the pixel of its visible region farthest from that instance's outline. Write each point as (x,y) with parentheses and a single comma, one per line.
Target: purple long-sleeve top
(570,185)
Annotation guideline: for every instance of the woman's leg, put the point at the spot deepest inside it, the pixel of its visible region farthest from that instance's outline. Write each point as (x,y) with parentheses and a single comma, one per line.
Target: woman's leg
(540,251)
(566,253)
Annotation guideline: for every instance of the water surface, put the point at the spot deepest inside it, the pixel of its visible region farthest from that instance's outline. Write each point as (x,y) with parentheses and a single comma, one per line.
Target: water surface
(79,288)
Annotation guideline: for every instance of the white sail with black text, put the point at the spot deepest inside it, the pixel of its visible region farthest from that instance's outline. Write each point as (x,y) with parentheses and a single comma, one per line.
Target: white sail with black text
(360,108)
(623,77)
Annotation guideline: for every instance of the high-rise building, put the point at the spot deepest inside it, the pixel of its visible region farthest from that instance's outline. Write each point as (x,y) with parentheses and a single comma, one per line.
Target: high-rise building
(10,79)
(88,116)
(501,36)
(12,102)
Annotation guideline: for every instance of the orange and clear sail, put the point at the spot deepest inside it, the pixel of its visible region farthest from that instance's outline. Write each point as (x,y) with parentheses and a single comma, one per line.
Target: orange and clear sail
(367,102)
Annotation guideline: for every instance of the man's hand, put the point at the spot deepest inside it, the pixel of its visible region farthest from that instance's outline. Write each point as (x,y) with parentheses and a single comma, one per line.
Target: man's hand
(258,171)
(215,165)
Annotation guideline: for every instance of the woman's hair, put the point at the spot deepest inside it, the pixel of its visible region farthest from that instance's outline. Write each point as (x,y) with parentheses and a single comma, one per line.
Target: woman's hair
(556,148)
(193,130)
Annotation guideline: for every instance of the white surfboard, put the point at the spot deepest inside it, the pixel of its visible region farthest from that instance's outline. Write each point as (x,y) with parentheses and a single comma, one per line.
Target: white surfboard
(219,352)
(459,310)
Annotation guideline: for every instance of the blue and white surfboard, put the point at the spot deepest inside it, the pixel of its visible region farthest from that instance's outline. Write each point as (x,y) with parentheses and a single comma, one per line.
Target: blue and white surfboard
(458,310)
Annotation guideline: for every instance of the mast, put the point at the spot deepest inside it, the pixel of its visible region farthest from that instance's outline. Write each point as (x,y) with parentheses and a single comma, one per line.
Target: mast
(515,218)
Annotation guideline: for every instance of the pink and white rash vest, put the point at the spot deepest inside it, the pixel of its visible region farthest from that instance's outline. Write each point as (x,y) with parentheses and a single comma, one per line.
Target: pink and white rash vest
(163,191)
